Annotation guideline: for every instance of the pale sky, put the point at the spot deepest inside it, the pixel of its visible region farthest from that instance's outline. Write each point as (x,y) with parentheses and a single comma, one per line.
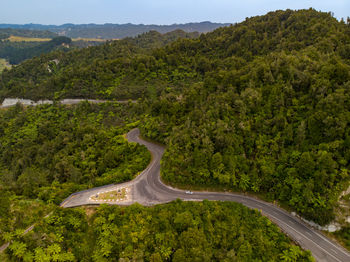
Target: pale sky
(153,11)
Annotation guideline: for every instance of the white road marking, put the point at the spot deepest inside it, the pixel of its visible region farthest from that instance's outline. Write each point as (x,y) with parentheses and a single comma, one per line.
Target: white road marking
(308,239)
(330,243)
(309,234)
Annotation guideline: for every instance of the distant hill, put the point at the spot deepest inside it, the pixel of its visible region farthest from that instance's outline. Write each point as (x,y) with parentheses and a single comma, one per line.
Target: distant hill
(15,53)
(7,32)
(113,31)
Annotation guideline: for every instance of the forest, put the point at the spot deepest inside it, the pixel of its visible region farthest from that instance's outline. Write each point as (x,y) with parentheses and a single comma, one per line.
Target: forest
(17,52)
(179,231)
(261,107)
(50,151)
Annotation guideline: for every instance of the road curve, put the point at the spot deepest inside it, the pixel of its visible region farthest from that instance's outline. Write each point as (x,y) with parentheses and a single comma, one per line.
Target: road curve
(148,189)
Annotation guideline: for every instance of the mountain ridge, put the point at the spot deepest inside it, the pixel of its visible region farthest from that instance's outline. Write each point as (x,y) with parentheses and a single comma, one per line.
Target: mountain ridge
(112,31)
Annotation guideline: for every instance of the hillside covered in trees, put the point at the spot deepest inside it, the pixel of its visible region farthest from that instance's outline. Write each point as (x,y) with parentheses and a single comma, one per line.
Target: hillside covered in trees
(55,146)
(16,52)
(50,151)
(74,74)
(262,106)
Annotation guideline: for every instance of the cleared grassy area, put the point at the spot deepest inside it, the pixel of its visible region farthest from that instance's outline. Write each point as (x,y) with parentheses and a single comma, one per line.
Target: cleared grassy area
(27,39)
(4,64)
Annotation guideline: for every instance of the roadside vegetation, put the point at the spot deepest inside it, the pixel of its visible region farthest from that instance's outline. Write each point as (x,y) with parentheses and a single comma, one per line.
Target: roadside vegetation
(269,116)
(48,152)
(178,231)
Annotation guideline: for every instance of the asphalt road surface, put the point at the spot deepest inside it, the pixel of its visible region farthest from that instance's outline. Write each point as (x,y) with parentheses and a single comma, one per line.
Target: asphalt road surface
(148,189)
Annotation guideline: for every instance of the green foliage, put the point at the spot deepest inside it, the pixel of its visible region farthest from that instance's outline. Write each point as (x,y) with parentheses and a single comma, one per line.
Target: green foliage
(106,71)
(271,136)
(50,151)
(178,231)
(16,52)
(3,64)
(344,236)
(272,116)
(17,214)
(260,106)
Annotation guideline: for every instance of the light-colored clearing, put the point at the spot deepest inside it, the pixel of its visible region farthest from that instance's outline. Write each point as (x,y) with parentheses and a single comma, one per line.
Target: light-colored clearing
(4,64)
(27,39)
(119,195)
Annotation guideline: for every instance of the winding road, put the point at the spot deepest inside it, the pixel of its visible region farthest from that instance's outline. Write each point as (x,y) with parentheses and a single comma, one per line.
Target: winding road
(147,189)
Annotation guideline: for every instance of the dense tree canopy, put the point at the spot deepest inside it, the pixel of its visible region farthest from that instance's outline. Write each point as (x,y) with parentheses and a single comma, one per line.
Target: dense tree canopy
(271,120)
(179,231)
(105,71)
(261,106)
(48,152)
(16,52)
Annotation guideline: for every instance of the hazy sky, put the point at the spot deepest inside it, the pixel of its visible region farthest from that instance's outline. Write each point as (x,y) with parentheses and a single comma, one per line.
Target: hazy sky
(153,11)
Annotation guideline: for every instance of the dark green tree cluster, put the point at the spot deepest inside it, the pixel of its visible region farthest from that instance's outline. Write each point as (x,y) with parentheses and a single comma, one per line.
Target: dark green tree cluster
(179,231)
(15,52)
(273,121)
(118,69)
(344,236)
(50,151)
(18,213)
(51,147)
(287,137)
